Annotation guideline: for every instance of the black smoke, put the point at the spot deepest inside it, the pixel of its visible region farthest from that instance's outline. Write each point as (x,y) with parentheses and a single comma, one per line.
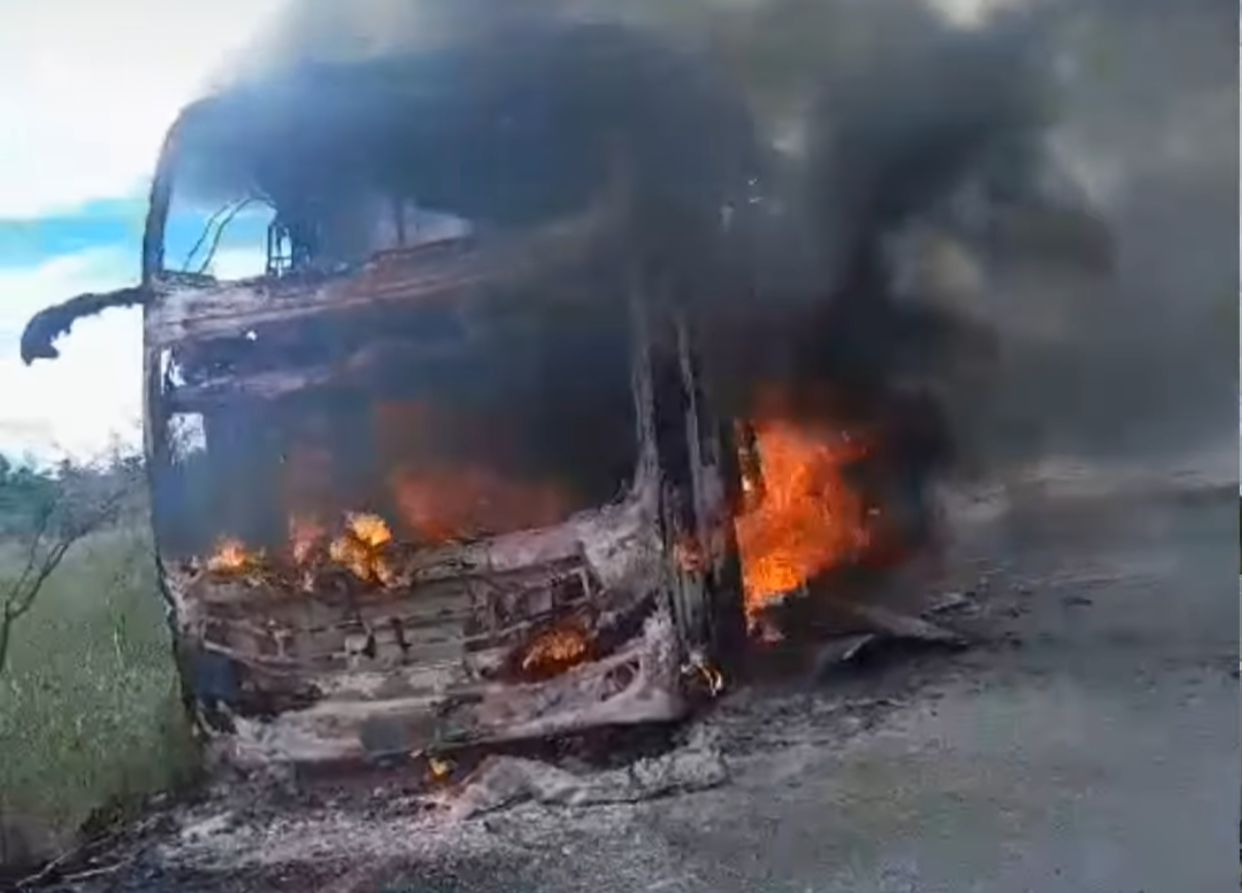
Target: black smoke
(986,240)
(505,130)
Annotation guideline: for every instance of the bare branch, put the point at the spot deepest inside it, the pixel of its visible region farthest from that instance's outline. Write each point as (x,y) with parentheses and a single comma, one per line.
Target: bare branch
(6,634)
(42,520)
(45,554)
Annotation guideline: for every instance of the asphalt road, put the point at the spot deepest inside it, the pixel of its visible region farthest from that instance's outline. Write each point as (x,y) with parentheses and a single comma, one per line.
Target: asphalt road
(1089,744)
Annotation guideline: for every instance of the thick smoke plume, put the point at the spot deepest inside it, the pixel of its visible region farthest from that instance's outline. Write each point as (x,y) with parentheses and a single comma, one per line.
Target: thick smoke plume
(998,240)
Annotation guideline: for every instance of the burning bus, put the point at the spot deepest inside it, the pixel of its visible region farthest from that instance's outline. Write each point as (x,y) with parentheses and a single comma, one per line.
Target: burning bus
(451,468)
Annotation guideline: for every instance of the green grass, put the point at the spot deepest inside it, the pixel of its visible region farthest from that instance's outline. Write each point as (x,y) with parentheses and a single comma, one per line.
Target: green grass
(89,712)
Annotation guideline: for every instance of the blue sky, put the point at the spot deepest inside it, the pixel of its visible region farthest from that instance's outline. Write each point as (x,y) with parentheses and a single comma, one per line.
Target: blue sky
(87,90)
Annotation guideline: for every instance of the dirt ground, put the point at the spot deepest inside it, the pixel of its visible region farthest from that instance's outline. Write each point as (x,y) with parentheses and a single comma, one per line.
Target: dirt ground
(1088,741)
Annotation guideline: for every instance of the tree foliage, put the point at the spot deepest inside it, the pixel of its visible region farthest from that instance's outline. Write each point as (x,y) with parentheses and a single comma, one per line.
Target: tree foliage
(25,494)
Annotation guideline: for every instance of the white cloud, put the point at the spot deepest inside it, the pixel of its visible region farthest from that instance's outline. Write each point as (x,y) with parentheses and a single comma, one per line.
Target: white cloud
(79,403)
(88,88)
(239,263)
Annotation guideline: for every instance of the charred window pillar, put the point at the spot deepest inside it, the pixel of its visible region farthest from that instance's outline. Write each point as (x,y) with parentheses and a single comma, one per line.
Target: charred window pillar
(695,510)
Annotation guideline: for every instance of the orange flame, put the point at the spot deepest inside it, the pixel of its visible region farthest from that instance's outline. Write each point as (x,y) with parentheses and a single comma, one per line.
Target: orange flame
(808,518)
(359,548)
(232,557)
(370,530)
(440,769)
(556,650)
